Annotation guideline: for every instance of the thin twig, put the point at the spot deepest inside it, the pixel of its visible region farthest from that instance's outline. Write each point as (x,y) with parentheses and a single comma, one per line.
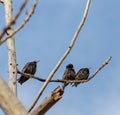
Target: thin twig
(94,74)
(14,19)
(29,14)
(39,78)
(31,76)
(104,64)
(62,58)
(68,81)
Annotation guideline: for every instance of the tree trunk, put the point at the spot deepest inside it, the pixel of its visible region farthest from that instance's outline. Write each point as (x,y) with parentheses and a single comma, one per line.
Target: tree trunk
(12,70)
(9,102)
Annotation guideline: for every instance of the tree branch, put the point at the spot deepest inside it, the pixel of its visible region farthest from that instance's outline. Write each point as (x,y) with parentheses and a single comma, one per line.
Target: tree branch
(62,58)
(12,69)
(23,23)
(9,102)
(41,79)
(96,72)
(48,102)
(13,20)
(103,65)
(69,81)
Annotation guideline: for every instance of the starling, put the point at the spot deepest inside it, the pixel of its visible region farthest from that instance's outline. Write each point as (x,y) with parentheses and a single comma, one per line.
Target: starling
(29,68)
(69,74)
(82,74)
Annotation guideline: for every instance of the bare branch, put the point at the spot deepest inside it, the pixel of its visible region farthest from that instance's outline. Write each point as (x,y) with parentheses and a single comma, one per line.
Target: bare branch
(41,79)
(12,69)
(103,65)
(94,74)
(68,81)
(31,76)
(62,58)
(13,20)
(48,102)
(23,23)
(9,102)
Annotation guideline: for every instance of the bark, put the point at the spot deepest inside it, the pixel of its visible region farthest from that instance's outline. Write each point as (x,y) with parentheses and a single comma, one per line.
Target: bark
(48,102)
(9,102)
(12,70)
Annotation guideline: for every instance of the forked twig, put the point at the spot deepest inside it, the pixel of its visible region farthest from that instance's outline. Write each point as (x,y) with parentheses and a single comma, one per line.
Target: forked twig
(14,19)
(29,14)
(63,57)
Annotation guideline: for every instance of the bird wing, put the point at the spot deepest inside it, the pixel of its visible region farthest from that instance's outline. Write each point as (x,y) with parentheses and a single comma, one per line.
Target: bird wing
(79,72)
(65,74)
(30,68)
(73,71)
(25,67)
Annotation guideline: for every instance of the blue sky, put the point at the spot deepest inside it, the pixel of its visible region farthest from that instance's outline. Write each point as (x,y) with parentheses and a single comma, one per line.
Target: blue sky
(46,37)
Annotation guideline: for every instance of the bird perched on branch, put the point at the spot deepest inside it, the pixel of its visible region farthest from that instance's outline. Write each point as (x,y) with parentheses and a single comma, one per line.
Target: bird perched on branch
(29,68)
(69,74)
(82,74)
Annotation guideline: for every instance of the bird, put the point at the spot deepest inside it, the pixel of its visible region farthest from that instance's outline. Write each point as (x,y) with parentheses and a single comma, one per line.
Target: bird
(29,68)
(82,74)
(69,74)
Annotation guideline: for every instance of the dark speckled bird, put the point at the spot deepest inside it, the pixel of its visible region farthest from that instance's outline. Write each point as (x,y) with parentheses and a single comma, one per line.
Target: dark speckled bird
(29,68)
(69,74)
(82,74)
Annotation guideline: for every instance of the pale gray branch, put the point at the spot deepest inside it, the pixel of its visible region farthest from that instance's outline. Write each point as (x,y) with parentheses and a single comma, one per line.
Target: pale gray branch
(62,58)
(12,20)
(29,14)
(48,102)
(103,65)
(12,69)
(9,102)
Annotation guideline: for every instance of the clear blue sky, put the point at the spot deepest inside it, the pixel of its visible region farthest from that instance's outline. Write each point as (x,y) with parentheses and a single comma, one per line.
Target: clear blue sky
(46,37)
